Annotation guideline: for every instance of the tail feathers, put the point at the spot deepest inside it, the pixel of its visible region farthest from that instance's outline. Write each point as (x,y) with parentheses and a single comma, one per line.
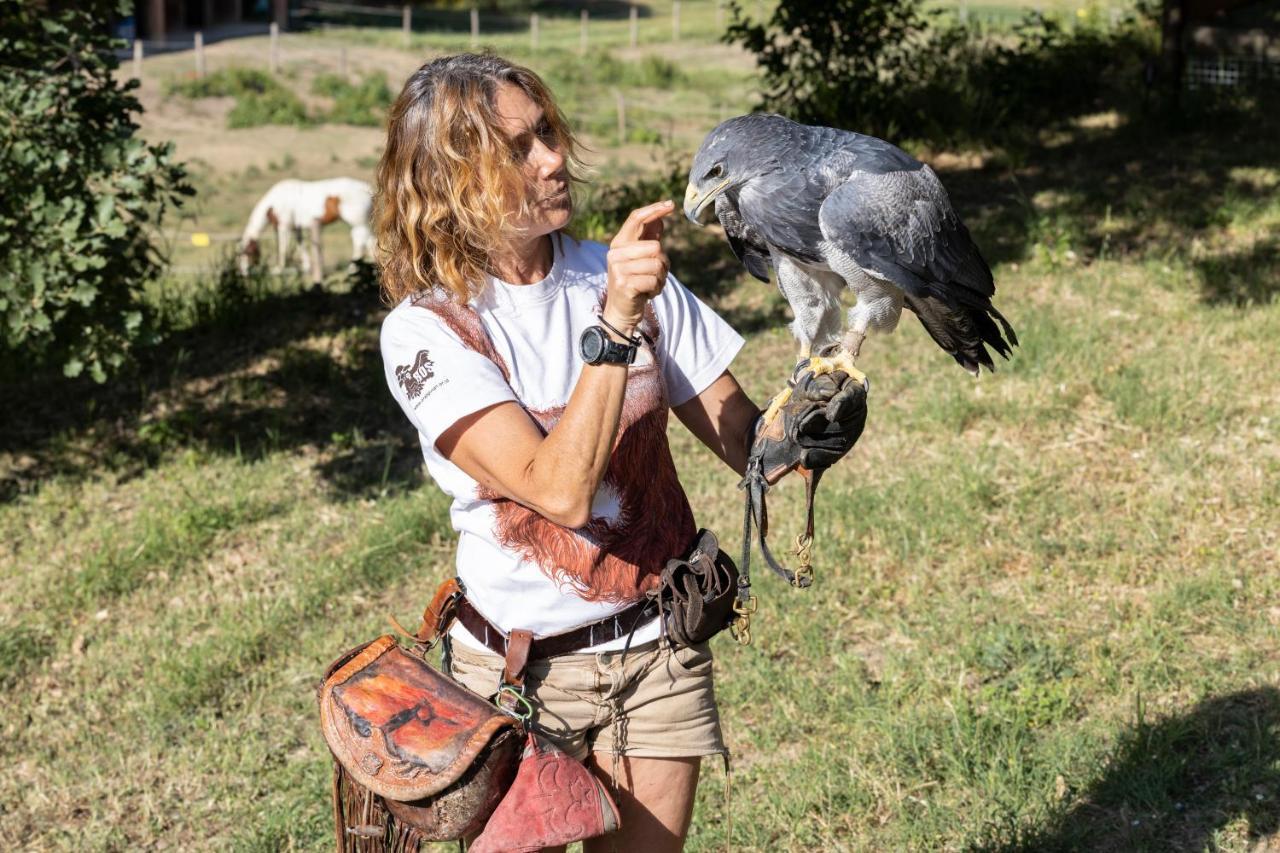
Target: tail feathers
(965,329)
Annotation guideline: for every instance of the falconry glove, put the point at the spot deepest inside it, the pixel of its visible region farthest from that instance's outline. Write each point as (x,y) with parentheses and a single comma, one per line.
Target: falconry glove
(812,424)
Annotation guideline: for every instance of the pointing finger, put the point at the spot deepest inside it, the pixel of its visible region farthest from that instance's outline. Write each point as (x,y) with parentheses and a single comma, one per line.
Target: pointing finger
(653,229)
(633,228)
(638,249)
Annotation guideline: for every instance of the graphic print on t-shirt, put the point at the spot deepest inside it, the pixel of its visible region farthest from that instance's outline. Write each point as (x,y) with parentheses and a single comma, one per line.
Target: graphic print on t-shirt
(609,559)
(413,377)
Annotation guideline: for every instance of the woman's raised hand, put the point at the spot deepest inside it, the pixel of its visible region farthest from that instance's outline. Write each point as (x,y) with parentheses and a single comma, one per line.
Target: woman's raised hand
(637,265)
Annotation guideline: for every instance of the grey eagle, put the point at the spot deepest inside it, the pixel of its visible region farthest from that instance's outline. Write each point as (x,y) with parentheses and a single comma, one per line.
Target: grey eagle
(830,209)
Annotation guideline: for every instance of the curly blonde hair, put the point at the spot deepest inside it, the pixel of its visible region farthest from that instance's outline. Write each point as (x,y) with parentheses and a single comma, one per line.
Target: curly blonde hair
(450,182)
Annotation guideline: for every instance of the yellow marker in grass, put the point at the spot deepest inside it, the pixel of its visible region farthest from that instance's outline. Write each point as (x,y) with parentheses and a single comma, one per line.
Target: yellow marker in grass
(200,240)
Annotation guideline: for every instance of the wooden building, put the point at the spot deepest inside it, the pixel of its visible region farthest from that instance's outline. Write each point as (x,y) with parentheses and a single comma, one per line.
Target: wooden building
(157,19)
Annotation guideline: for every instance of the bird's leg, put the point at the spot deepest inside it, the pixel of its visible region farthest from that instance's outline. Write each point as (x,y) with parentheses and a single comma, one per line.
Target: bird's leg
(852,342)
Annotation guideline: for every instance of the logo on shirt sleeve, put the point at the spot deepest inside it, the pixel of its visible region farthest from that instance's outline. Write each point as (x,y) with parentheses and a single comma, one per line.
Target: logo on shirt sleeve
(413,378)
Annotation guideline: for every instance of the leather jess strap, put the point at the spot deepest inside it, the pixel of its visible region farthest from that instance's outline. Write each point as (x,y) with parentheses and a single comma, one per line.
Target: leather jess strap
(606,630)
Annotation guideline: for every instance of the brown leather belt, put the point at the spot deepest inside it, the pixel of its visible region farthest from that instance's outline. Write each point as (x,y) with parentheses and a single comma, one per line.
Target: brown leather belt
(606,630)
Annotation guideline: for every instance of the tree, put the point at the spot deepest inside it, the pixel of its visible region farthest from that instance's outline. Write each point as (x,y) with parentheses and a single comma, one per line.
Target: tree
(835,62)
(83,195)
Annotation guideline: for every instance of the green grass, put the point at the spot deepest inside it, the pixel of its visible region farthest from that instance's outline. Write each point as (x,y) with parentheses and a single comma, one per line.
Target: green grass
(1045,614)
(262,99)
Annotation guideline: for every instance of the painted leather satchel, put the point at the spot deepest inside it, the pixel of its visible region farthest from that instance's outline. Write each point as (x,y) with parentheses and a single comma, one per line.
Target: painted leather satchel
(418,757)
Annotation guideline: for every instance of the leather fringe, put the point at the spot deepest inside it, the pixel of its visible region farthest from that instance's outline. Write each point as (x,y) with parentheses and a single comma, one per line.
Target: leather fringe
(363,824)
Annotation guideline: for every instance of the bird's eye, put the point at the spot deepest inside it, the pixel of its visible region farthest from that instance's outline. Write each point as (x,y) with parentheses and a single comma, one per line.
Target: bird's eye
(715,171)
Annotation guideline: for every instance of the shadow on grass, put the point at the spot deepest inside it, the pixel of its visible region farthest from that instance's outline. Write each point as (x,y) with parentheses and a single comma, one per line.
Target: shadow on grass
(279,373)
(1247,276)
(1175,784)
(1136,188)
(261,374)
(303,370)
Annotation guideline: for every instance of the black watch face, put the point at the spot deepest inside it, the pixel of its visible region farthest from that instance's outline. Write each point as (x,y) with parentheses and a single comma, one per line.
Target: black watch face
(592,345)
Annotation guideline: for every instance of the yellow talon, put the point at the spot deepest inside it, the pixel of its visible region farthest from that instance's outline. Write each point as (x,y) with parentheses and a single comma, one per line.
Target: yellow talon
(818,365)
(776,405)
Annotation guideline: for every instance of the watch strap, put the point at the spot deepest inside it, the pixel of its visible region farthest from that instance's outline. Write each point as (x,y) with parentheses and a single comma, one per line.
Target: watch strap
(611,352)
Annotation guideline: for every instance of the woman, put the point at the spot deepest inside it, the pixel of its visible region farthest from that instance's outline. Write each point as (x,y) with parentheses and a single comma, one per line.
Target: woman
(565,496)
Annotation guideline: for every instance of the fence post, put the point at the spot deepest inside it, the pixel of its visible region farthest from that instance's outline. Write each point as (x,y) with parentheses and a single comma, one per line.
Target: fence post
(475,27)
(199,54)
(622,116)
(533,30)
(582,36)
(275,48)
(406,22)
(675,21)
(964,12)
(137,59)
(635,25)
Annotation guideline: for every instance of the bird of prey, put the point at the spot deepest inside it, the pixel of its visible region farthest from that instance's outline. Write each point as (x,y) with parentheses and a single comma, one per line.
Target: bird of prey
(830,209)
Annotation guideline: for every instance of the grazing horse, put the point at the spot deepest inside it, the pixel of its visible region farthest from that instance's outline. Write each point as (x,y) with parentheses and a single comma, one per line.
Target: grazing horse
(306,207)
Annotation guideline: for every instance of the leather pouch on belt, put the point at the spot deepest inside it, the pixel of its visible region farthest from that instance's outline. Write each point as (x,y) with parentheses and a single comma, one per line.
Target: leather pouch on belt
(438,757)
(696,593)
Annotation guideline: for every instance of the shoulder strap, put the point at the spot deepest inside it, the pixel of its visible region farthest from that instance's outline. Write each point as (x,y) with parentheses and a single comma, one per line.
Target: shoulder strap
(438,615)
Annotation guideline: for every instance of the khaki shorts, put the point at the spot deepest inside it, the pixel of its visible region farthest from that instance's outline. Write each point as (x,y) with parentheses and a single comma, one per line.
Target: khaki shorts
(660,703)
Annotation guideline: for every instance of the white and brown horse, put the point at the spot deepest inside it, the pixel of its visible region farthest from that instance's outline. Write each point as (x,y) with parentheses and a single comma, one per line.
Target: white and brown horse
(303,208)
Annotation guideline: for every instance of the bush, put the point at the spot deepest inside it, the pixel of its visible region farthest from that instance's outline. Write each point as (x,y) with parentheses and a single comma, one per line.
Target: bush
(82,194)
(260,99)
(971,88)
(895,71)
(836,62)
(364,104)
(603,68)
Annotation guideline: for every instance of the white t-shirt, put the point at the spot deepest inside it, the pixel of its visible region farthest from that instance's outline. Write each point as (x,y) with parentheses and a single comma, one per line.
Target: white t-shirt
(444,361)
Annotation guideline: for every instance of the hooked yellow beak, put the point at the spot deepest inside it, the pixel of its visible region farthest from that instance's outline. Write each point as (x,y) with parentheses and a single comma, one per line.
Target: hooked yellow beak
(697,206)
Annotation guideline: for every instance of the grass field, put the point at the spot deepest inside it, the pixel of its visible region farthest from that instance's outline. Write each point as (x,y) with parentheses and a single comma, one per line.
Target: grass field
(1047,612)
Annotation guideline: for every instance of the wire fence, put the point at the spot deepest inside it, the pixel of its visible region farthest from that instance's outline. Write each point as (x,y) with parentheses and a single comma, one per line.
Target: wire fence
(1209,73)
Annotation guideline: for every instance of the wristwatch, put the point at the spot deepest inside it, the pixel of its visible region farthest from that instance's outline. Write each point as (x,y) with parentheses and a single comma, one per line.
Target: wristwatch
(596,347)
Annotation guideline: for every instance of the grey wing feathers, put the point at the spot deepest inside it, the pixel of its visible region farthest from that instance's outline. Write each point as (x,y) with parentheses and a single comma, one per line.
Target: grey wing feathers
(900,226)
(783,209)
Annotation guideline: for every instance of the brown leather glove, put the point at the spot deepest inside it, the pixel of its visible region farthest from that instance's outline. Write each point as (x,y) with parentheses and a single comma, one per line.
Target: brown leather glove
(818,424)
(814,429)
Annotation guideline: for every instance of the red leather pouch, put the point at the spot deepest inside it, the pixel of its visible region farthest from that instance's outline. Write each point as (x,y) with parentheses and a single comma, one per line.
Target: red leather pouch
(554,800)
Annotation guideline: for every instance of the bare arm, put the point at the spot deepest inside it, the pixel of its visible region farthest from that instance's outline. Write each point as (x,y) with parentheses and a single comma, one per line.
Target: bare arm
(721,418)
(557,475)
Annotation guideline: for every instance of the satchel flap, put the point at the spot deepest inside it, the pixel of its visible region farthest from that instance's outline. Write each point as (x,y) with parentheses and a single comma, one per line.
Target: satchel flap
(399,727)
